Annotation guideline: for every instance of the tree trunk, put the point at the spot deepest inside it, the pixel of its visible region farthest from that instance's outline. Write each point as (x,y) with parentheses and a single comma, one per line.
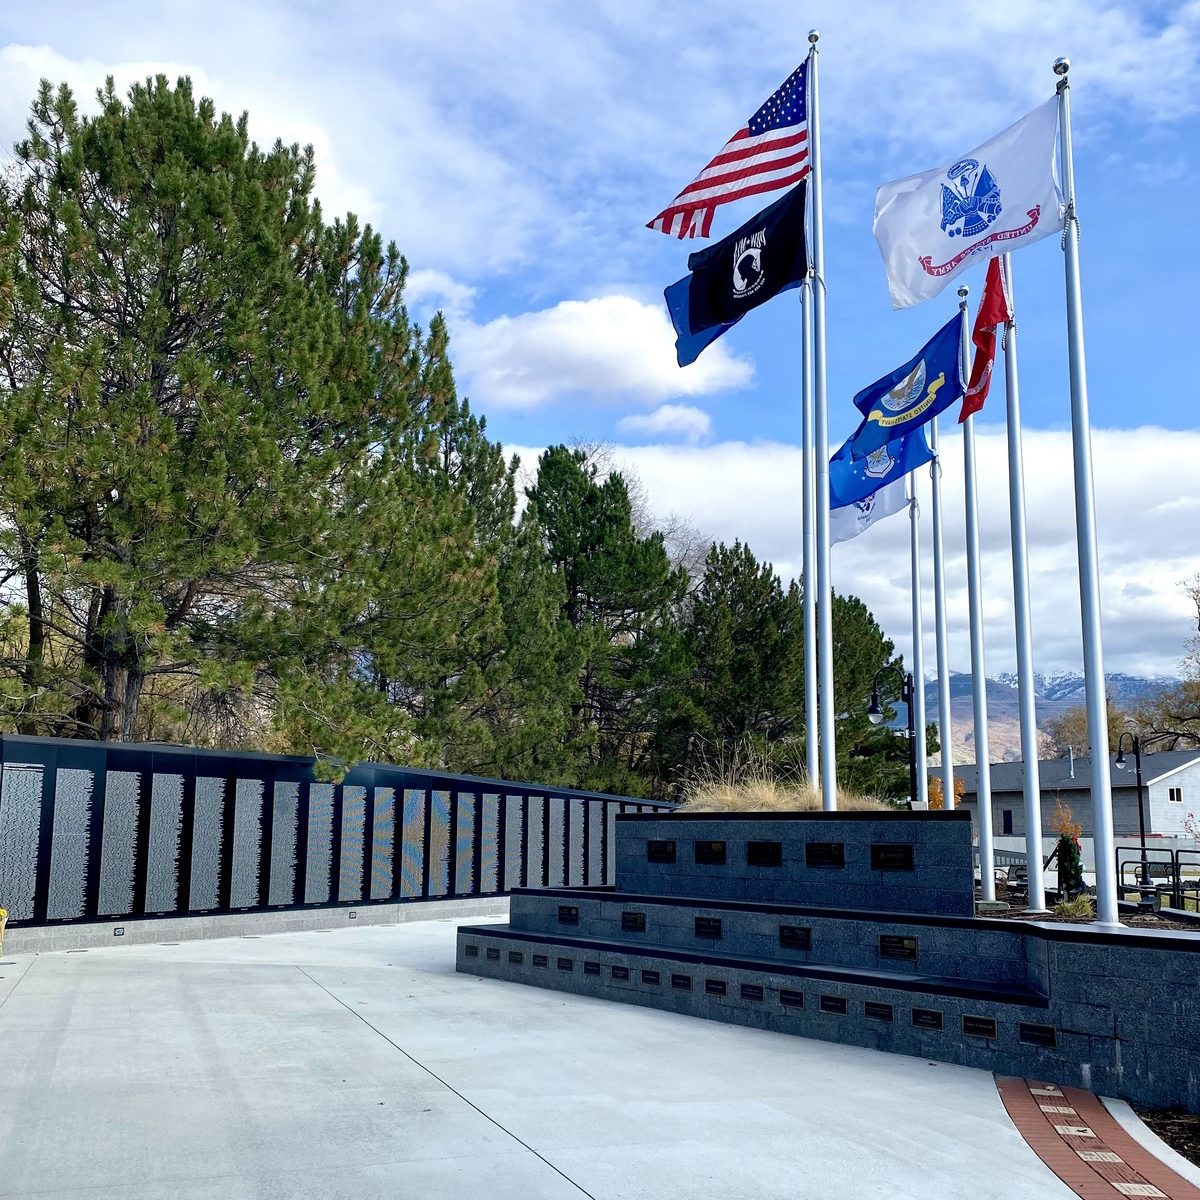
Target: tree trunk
(26,722)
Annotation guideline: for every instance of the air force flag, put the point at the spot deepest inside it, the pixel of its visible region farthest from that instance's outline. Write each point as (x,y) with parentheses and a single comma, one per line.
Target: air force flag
(765,256)
(848,522)
(998,197)
(911,395)
(854,480)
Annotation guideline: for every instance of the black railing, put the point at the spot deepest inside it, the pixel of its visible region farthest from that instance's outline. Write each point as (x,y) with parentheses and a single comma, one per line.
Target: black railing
(93,831)
(1172,874)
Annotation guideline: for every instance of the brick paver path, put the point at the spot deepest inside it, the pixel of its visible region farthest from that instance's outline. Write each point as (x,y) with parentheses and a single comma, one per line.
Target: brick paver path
(1082,1143)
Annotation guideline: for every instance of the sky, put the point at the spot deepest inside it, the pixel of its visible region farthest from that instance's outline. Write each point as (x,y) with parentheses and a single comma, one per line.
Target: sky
(515,149)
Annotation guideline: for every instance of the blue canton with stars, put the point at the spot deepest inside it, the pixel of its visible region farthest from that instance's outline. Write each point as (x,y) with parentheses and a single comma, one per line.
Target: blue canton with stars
(785,106)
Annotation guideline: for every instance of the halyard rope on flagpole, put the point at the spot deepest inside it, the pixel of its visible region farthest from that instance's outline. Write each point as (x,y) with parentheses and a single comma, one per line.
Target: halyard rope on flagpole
(812,760)
(945,729)
(1020,559)
(918,645)
(983,779)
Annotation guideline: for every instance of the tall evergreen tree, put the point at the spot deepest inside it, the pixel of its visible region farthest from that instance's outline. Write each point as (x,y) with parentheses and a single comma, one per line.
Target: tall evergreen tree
(216,426)
(620,594)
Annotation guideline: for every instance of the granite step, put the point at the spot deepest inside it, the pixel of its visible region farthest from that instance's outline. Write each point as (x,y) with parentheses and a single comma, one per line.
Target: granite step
(604,950)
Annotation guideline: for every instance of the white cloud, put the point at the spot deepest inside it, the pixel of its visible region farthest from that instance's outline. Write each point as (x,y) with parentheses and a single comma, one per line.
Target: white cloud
(1148,541)
(680,420)
(610,348)
(22,67)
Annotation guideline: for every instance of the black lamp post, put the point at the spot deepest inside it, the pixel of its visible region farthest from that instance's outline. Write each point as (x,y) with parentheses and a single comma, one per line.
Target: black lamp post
(875,716)
(1136,746)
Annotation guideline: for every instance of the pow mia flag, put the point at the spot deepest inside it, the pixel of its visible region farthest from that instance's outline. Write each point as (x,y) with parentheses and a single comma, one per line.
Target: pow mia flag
(765,256)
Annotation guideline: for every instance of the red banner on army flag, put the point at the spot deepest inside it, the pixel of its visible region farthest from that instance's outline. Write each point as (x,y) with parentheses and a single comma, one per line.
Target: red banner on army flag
(993,312)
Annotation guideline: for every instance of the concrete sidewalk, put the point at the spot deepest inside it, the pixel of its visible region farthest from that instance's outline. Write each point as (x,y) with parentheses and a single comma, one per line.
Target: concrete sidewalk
(358,1065)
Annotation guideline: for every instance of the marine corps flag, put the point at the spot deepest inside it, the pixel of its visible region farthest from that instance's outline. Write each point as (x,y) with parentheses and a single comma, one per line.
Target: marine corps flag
(994,311)
(765,256)
(911,395)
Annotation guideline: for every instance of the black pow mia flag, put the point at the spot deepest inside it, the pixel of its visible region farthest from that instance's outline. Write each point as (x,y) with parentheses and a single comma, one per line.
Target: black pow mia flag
(766,255)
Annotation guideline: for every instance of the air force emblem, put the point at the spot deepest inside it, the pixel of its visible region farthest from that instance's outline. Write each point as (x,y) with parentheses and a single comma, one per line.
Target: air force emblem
(879,462)
(973,198)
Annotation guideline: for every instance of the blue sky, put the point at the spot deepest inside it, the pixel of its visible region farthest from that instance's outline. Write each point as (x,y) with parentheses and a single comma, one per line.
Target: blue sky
(514,149)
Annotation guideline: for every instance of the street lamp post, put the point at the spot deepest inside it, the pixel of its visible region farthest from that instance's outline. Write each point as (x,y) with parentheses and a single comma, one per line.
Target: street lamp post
(1136,746)
(875,716)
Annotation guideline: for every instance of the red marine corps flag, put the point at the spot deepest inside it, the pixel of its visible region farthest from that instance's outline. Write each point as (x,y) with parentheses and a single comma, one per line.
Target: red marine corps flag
(994,311)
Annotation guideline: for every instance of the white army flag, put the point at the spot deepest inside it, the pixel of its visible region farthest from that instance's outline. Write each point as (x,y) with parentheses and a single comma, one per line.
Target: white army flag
(848,522)
(999,197)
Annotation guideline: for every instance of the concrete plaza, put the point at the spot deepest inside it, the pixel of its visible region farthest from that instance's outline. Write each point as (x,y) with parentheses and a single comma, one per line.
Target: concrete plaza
(356,1064)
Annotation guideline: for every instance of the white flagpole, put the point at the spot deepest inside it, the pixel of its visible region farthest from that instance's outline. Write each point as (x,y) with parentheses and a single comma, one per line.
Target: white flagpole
(983,766)
(1020,560)
(821,448)
(1085,529)
(945,731)
(918,644)
(811,736)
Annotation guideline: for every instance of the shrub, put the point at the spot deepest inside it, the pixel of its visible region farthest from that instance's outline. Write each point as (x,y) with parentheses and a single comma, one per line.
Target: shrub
(1082,908)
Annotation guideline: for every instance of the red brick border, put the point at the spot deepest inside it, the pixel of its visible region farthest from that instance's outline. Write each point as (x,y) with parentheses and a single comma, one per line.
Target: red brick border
(1083,1144)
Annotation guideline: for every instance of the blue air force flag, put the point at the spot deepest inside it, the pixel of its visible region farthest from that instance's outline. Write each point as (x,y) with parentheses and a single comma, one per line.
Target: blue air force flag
(765,256)
(855,480)
(848,522)
(998,197)
(911,395)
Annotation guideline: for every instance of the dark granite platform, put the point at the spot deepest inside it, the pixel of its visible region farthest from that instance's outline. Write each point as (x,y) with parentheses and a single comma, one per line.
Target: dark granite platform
(859,928)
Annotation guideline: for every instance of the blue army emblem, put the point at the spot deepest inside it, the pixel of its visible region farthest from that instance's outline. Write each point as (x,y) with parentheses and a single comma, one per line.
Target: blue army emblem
(973,198)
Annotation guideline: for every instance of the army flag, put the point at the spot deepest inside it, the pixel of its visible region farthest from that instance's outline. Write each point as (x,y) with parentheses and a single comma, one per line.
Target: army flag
(852,519)
(1000,196)
(765,256)
(854,480)
(994,311)
(911,395)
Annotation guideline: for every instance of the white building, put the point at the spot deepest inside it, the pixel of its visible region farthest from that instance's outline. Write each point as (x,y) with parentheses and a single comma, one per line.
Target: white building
(1170,779)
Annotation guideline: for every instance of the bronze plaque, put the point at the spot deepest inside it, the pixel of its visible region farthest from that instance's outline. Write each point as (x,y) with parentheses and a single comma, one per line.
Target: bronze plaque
(824,854)
(895,946)
(927,1018)
(888,856)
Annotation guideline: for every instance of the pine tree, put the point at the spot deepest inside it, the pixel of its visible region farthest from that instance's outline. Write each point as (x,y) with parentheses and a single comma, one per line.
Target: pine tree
(620,595)
(216,431)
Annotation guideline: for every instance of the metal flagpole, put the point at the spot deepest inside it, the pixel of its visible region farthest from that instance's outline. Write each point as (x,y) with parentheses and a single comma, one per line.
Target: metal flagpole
(811,736)
(821,448)
(945,732)
(918,644)
(1085,529)
(1020,560)
(983,766)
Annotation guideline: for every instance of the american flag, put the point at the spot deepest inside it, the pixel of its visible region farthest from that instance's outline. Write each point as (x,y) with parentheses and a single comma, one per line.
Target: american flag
(770,151)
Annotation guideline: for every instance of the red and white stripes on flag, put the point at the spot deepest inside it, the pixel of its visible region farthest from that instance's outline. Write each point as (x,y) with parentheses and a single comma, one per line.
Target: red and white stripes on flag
(769,152)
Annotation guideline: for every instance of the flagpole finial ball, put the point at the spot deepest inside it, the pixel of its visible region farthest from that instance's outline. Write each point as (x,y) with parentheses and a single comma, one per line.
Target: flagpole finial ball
(814,36)
(963,292)
(1062,66)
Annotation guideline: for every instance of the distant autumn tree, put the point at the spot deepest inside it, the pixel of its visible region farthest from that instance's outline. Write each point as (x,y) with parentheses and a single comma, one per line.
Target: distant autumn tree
(935,791)
(1069,731)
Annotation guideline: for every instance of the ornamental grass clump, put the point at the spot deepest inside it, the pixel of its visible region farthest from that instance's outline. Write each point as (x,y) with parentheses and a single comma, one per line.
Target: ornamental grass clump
(746,780)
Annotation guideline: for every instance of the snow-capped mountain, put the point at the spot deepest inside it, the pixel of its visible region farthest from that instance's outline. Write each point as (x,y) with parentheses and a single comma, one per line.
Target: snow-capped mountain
(1056,693)
(1068,686)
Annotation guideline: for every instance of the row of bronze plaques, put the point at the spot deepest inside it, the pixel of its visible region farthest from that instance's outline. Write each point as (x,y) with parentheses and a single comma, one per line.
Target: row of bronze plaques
(791,937)
(885,856)
(1043,1036)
